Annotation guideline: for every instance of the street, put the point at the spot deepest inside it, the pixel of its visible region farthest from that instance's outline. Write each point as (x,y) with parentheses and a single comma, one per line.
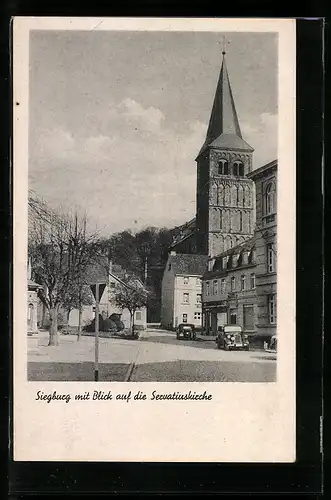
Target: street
(156,357)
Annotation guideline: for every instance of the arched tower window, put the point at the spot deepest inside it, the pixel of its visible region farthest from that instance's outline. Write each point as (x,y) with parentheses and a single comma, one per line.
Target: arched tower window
(235,168)
(240,221)
(238,168)
(223,167)
(270,199)
(221,220)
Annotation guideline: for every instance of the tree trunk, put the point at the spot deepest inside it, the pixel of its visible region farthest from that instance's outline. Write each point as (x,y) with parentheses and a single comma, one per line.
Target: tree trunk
(67,322)
(53,333)
(79,333)
(132,323)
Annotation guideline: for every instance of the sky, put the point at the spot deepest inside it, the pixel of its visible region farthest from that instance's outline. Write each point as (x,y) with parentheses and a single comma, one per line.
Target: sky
(117,118)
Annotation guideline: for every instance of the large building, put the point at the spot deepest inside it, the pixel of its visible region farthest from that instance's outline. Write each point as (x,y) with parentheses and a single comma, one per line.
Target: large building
(240,286)
(225,197)
(265,179)
(181,290)
(229,289)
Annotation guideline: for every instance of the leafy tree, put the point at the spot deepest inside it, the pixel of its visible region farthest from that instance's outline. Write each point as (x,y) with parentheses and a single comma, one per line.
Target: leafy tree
(132,295)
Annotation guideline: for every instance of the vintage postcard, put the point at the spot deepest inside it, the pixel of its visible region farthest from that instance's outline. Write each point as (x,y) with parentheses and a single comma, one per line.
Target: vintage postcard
(154,239)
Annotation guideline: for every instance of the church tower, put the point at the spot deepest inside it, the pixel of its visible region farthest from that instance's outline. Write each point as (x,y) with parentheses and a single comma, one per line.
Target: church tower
(225,200)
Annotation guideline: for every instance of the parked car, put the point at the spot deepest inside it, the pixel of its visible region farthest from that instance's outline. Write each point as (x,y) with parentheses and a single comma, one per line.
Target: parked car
(186,331)
(231,337)
(272,346)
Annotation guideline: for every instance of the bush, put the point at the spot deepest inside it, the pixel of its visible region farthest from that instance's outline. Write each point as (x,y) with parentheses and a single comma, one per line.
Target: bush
(116,318)
(105,325)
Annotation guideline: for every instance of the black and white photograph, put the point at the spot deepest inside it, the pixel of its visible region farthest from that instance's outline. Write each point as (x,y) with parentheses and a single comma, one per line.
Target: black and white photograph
(152,173)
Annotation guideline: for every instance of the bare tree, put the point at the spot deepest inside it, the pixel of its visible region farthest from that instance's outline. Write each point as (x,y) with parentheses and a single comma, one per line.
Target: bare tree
(61,251)
(132,295)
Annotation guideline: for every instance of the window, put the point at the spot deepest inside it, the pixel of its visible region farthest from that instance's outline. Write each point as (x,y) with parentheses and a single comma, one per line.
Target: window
(138,315)
(199,298)
(233,284)
(240,221)
(221,219)
(169,267)
(186,281)
(253,284)
(223,284)
(271,260)
(270,199)
(215,287)
(224,262)
(272,308)
(235,168)
(184,318)
(233,317)
(186,298)
(197,315)
(223,167)
(241,170)
(243,282)
(207,287)
(248,317)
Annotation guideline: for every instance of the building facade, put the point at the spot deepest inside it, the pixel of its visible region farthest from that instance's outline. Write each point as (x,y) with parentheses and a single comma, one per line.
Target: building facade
(265,179)
(182,290)
(229,290)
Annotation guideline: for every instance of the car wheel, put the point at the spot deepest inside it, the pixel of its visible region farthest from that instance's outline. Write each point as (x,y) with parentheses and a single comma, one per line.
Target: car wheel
(226,347)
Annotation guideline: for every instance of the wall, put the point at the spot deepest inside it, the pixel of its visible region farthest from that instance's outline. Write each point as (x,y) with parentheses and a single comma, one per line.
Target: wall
(193,309)
(167,300)
(222,200)
(221,303)
(266,232)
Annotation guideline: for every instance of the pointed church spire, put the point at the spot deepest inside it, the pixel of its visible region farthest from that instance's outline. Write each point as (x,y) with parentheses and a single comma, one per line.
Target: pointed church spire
(224,129)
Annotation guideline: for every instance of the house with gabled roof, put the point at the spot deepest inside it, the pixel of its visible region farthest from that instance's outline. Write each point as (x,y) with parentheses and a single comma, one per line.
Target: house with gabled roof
(113,276)
(181,290)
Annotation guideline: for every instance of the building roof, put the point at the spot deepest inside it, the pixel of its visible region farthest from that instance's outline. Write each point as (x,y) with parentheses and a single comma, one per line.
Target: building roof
(224,129)
(99,271)
(246,245)
(33,285)
(190,264)
(183,232)
(261,170)
(218,268)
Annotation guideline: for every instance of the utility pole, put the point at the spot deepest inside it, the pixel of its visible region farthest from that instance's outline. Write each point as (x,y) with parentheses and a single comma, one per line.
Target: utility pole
(96,364)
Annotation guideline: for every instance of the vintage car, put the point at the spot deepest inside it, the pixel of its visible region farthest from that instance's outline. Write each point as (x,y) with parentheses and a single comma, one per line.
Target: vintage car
(272,345)
(231,337)
(186,331)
